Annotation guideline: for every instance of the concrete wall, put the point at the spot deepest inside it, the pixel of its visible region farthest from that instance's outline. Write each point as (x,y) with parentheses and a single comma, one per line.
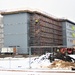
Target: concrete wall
(16,31)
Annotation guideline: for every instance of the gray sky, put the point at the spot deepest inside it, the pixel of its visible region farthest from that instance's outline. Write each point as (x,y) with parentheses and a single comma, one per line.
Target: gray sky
(57,8)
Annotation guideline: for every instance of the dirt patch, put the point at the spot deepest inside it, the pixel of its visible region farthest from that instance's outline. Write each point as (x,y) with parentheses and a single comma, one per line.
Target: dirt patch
(60,64)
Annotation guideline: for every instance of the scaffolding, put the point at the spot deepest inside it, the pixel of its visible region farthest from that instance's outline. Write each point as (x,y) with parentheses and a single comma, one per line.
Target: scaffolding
(44,31)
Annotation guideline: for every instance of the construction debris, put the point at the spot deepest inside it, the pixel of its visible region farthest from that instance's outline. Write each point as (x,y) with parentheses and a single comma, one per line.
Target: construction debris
(60,64)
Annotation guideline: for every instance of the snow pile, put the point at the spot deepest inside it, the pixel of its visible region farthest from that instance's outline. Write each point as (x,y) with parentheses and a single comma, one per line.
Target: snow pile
(73,56)
(40,62)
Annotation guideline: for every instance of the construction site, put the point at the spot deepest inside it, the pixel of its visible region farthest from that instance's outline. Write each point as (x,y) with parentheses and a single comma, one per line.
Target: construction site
(22,29)
(33,42)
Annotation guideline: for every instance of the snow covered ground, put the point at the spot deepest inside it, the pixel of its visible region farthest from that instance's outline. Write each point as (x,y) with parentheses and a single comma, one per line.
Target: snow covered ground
(38,62)
(24,63)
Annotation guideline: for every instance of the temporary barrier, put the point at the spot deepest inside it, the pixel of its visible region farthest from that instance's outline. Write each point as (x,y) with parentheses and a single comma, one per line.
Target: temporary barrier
(7,50)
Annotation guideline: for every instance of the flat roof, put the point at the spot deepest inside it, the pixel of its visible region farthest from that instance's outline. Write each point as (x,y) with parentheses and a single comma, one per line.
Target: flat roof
(66,20)
(36,12)
(30,11)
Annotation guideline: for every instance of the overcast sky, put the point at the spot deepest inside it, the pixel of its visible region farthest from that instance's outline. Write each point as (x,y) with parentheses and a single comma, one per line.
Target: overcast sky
(57,8)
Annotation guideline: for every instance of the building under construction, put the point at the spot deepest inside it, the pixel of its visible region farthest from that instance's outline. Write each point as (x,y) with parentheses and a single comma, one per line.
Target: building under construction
(24,28)
(45,31)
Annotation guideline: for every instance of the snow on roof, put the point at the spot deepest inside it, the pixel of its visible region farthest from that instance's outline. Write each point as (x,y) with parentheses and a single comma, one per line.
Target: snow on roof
(15,11)
(37,11)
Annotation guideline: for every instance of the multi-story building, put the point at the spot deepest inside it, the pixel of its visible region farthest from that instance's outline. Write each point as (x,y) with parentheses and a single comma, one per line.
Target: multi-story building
(24,28)
(31,28)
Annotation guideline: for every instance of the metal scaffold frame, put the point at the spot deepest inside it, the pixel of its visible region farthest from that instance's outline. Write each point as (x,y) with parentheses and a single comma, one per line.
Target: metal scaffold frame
(45,31)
